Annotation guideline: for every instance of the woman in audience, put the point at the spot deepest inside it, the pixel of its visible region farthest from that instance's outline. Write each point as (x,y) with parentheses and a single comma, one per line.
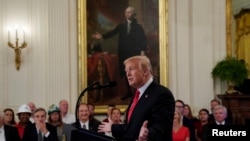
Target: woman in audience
(116,116)
(179,132)
(55,119)
(9,118)
(187,112)
(203,120)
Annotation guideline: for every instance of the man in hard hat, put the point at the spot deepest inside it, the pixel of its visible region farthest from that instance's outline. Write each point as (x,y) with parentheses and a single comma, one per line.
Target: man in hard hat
(23,114)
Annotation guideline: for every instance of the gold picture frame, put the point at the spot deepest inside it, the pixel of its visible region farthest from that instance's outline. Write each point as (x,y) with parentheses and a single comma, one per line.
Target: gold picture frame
(82,50)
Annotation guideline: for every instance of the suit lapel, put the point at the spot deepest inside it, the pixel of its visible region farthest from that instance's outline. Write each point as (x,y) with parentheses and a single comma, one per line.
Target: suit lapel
(143,99)
(7,133)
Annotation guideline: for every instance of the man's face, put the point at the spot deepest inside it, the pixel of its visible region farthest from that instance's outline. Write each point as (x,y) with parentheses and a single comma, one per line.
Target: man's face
(24,117)
(129,13)
(214,104)
(40,117)
(32,106)
(136,76)
(64,106)
(83,113)
(219,115)
(179,106)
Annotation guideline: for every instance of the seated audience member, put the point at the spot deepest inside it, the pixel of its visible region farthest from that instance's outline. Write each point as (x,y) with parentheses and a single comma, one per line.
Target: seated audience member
(9,118)
(220,115)
(214,103)
(55,119)
(180,132)
(83,121)
(179,104)
(23,114)
(202,121)
(110,107)
(40,130)
(115,118)
(66,116)
(91,110)
(32,108)
(187,112)
(7,132)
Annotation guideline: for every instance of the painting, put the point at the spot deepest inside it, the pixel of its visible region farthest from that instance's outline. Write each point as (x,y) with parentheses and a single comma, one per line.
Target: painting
(99,59)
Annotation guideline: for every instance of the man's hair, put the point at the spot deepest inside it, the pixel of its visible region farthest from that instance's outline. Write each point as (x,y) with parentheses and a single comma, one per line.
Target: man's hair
(40,109)
(132,9)
(220,107)
(143,61)
(215,100)
(180,101)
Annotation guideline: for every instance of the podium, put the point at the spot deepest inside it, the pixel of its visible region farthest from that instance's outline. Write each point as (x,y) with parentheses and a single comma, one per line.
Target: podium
(86,135)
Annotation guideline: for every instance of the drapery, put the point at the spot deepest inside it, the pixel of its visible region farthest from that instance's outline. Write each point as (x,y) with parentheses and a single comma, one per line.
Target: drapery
(242,42)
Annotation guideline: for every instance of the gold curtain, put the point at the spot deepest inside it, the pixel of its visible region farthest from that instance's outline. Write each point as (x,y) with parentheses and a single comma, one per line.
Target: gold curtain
(242,43)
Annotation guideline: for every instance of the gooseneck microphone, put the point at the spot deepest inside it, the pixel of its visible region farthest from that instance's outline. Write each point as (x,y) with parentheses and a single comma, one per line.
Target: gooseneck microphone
(94,86)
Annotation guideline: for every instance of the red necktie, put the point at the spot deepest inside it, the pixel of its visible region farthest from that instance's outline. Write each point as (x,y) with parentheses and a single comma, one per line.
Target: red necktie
(136,98)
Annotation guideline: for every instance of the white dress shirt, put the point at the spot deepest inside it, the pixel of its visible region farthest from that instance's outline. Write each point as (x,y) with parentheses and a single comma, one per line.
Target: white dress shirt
(2,135)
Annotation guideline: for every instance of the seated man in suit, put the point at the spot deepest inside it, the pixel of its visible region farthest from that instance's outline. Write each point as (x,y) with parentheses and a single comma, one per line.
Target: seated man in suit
(40,130)
(7,132)
(84,122)
(220,115)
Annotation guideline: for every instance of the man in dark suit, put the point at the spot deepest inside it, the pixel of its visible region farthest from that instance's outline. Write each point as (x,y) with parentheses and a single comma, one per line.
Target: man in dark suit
(132,40)
(7,132)
(220,115)
(40,129)
(151,118)
(84,122)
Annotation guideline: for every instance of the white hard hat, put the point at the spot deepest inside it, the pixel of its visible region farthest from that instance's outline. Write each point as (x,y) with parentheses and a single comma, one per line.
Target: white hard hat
(24,109)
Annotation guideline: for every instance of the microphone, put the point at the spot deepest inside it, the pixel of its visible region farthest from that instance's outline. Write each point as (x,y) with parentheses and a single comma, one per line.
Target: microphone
(98,86)
(126,96)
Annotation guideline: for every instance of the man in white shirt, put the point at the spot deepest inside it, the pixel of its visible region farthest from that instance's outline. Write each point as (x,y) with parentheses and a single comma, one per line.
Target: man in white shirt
(84,122)
(40,129)
(66,117)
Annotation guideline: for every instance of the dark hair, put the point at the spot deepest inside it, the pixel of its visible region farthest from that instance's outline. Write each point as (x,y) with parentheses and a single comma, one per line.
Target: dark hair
(12,122)
(204,110)
(40,109)
(59,120)
(215,100)
(178,100)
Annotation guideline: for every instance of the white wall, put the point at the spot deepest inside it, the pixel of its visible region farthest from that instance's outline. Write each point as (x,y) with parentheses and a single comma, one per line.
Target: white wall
(49,64)
(48,70)
(196,42)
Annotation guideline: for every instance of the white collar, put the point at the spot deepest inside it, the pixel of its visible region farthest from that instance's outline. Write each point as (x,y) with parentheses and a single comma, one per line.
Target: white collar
(220,123)
(145,86)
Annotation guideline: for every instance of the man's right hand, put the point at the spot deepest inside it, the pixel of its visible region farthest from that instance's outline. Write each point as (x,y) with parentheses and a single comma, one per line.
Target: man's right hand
(97,36)
(105,127)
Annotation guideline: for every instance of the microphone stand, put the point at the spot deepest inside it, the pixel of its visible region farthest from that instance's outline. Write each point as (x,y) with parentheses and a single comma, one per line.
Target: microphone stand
(91,87)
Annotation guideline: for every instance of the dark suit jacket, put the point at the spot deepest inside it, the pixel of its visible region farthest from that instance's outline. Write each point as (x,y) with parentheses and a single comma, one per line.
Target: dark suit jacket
(93,124)
(208,127)
(156,105)
(128,44)
(11,133)
(30,133)
(190,125)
